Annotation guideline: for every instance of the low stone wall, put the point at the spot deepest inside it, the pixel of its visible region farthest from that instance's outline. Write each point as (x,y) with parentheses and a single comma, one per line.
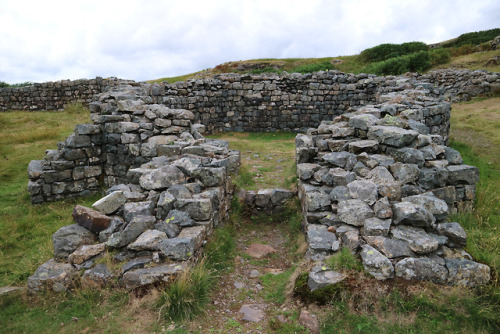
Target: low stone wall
(158,211)
(54,95)
(460,85)
(383,187)
(265,201)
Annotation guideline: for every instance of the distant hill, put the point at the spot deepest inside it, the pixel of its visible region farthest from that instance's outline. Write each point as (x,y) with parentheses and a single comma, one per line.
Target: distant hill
(474,50)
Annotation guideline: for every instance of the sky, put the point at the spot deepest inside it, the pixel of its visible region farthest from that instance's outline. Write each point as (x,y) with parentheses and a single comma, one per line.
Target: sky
(150,39)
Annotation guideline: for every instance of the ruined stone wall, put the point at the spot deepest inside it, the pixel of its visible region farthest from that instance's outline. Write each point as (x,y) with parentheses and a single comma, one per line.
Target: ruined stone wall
(383,186)
(53,95)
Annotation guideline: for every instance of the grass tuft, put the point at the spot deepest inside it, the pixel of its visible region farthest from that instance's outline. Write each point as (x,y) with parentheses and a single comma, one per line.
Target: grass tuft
(187,296)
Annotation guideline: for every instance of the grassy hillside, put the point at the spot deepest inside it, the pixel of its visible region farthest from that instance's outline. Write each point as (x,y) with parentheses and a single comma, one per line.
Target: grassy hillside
(460,52)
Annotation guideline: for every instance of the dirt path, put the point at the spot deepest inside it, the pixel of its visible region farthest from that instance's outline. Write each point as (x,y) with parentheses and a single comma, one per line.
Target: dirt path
(254,297)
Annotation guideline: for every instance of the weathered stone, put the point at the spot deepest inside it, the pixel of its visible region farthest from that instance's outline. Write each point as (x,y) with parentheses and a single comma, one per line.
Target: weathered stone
(85,252)
(162,178)
(391,190)
(35,169)
(165,204)
(339,193)
(392,248)
(382,208)
(370,146)
(172,230)
(350,239)
(434,205)
(407,155)
(185,244)
(115,224)
(179,218)
(136,263)
(464,272)
(306,170)
(419,241)
(110,203)
(380,175)
(280,196)
(405,173)
(52,276)
(68,238)
(210,177)
(92,220)
(362,122)
(148,240)
(251,313)
(430,178)
(321,241)
(263,197)
(412,214)
(376,227)
(462,174)
(354,212)
(321,276)
(197,208)
(391,135)
(316,201)
(340,159)
(363,190)
(134,228)
(453,156)
(424,269)
(454,232)
(259,250)
(134,209)
(376,264)
(98,277)
(162,273)
(337,177)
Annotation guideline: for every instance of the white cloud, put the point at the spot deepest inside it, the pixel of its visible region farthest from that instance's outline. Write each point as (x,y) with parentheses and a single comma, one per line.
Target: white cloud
(52,40)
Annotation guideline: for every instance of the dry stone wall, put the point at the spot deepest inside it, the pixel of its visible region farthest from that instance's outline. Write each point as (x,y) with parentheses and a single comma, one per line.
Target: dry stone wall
(383,186)
(168,188)
(54,95)
(375,176)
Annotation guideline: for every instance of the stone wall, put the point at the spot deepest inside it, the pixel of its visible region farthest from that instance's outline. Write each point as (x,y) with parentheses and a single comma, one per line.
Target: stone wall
(383,186)
(54,95)
(169,187)
(272,102)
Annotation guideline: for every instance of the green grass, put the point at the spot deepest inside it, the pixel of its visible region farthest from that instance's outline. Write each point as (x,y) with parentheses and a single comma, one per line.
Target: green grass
(188,294)
(267,159)
(25,230)
(344,259)
(275,286)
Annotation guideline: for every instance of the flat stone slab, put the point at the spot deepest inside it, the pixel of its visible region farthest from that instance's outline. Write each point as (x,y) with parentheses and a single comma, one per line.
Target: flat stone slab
(162,273)
(110,203)
(251,313)
(53,276)
(4,290)
(321,276)
(259,250)
(92,220)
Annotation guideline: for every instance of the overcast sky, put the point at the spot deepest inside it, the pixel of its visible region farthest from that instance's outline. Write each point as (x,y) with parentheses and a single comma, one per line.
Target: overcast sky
(141,40)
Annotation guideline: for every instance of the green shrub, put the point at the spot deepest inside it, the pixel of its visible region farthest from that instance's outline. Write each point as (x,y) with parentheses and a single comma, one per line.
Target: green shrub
(465,49)
(386,51)
(439,56)
(309,68)
(3,84)
(415,62)
(265,70)
(473,38)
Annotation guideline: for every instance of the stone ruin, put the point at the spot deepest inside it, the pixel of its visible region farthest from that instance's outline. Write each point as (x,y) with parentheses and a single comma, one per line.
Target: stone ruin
(381,181)
(378,179)
(169,187)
